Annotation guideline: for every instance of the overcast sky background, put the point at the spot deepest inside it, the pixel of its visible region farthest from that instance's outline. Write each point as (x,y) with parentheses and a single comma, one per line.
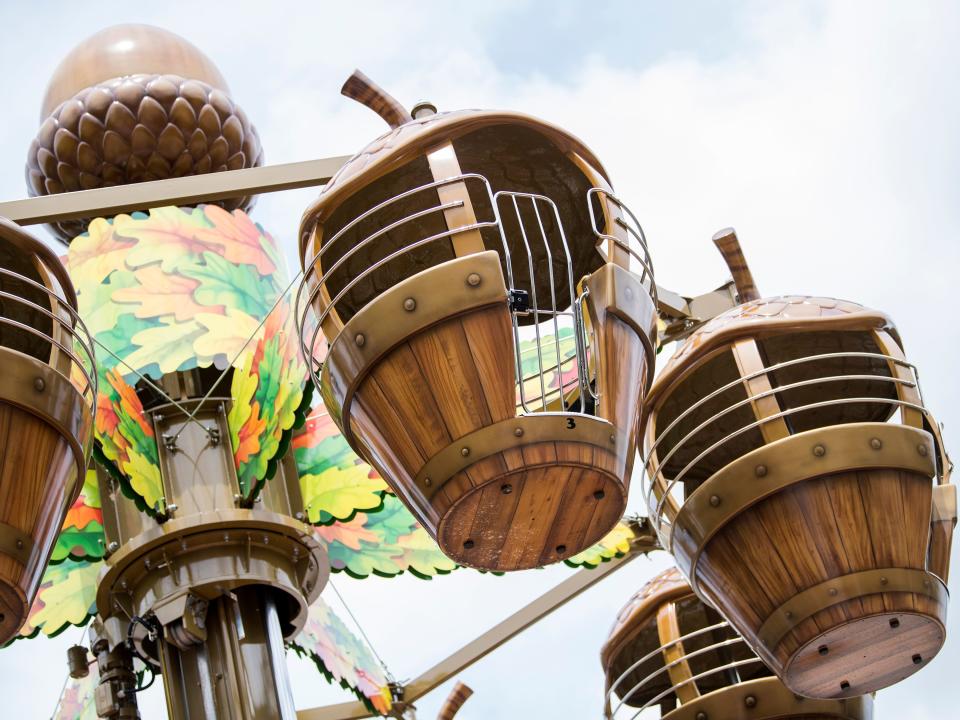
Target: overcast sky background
(826,133)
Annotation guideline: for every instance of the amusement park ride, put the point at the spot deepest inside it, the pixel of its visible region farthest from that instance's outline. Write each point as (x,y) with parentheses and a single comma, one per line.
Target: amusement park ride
(462,375)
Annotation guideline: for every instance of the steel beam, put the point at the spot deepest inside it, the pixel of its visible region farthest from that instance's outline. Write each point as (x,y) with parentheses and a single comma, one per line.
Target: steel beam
(110,201)
(493,638)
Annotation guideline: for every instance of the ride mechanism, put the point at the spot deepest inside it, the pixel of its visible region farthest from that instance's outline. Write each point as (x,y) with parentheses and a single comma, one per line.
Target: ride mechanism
(460,376)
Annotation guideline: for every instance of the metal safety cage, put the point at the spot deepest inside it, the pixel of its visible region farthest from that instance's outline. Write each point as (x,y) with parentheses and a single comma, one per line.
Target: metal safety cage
(665,491)
(555,340)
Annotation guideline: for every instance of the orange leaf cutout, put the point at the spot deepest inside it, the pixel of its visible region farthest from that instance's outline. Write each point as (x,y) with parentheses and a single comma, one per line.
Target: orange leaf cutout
(161,293)
(238,236)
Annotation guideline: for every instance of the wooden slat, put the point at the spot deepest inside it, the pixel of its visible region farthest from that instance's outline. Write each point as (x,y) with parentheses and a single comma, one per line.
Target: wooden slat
(749,361)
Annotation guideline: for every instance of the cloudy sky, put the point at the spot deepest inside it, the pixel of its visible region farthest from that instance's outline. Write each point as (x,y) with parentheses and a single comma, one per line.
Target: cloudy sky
(825,132)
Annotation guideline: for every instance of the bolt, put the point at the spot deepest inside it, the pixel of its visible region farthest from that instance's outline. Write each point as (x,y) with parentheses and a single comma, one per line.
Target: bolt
(876,443)
(760,470)
(844,685)
(410,304)
(561,549)
(819,450)
(823,650)
(19,544)
(922,449)
(468,544)
(714,501)
(917,659)
(518,432)
(506,488)
(598,495)
(299,515)
(750,701)
(701,716)
(39,384)
(464,451)
(788,615)
(360,339)
(895,623)
(113,547)
(883,581)
(473,279)
(173,507)
(832,592)
(428,482)
(613,438)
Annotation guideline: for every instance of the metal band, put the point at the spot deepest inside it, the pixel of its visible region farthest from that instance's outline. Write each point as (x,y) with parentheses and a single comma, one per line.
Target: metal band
(15,543)
(37,388)
(771,468)
(769,698)
(847,587)
(437,294)
(517,433)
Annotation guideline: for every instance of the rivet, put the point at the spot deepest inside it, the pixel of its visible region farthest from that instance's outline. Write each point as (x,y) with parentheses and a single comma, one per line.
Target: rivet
(917,659)
(832,592)
(876,443)
(518,432)
(823,650)
(819,450)
(39,384)
(613,438)
(468,544)
(299,515)
(788,615)
(922,449)
(506,488)
(701,716)
(883,581)
(464,451)
(428,482)
(360,339)
(714,500)
(598,495)
(113,547)
(844,685)
(750,701)
(895,623)
(473,279)
(19,544)
(760,470)
(409,304)
(561,549)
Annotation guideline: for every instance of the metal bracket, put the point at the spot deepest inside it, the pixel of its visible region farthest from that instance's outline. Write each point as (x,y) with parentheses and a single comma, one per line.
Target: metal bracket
(15,543)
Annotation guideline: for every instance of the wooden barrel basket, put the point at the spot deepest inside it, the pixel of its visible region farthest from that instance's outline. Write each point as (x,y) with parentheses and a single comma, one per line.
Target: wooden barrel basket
(453,271)
(669,650)
(47,395)
(802,486)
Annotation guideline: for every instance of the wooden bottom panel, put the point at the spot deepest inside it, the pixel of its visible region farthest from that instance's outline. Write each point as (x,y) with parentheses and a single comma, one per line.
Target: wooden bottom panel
(500,515)
(38,476)
(810,533)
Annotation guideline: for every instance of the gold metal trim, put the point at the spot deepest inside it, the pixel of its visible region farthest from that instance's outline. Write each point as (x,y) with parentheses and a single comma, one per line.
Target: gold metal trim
(15,543)
(770,699)
(847,587)
(439,293)
(736,487)
(517,433)
(39,389)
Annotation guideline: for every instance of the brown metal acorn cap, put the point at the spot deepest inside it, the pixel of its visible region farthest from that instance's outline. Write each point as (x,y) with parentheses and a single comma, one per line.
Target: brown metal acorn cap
(783,314)
(668,585)
(134,103)
(413,138)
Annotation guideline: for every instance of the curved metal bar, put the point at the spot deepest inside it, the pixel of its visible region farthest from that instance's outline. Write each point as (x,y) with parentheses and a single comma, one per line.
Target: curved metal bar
(646,261)
(68,327)
(742,379)
(665,668)
(700,676)
(767,393)
(825,403)
(653,653)
(66,350)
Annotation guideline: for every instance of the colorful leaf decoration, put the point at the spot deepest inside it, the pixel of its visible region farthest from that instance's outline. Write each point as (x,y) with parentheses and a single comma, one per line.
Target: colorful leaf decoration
(343,658)
(385,543)
(81,537)
(614,544)
(335,483)
(178,289)
(77,699)
(67,596)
